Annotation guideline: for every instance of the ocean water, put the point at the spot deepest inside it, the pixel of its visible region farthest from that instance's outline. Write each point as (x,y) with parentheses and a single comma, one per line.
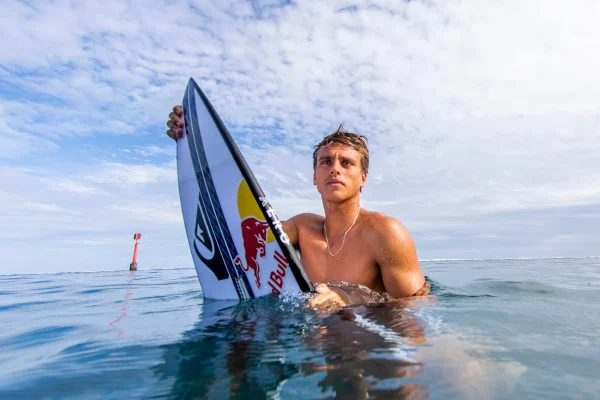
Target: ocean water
(493,329)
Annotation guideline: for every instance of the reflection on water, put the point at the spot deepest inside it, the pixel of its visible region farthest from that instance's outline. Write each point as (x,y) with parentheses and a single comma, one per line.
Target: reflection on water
(270,348)
(129,292)
(250,350)
(361,347)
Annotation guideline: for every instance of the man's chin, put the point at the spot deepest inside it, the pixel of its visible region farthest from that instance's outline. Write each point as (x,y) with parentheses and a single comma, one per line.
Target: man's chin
(335,197)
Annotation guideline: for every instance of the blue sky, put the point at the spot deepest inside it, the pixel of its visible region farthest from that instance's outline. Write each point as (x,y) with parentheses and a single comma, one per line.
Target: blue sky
(482,119)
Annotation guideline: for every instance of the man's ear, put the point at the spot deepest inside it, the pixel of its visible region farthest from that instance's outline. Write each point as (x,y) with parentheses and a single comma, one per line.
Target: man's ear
(364,178)
(314,178)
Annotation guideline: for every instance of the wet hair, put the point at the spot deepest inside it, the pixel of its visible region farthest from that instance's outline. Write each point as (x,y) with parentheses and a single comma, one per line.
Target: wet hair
(349,139)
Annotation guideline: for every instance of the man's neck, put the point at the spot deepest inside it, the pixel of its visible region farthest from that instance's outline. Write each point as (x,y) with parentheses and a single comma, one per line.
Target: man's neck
(339,216)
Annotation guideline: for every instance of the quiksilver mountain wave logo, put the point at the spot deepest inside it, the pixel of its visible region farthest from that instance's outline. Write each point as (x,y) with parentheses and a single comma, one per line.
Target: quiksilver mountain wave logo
(205,246)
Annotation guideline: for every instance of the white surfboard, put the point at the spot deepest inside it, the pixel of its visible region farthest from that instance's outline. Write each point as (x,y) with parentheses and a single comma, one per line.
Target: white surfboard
(237,243)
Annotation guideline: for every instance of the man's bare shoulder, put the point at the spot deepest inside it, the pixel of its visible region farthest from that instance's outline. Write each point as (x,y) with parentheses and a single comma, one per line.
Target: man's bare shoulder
(381,228)
(307,220)
(393,248)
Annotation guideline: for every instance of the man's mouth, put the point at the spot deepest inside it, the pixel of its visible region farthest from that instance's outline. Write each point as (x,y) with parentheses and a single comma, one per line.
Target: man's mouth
(335,182)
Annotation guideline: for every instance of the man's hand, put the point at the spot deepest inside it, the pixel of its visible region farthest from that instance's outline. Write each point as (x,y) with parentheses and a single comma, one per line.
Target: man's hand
(175,123)
(424,291)
(326,299)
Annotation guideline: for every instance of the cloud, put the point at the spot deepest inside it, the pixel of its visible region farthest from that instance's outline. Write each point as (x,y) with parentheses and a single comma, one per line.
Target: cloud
(479,115)
(76,187)
(43,207)
(15,144)
(123,175)
(151,151)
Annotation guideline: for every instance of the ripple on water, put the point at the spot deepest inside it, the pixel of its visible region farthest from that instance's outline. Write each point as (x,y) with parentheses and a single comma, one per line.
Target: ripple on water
(36,337)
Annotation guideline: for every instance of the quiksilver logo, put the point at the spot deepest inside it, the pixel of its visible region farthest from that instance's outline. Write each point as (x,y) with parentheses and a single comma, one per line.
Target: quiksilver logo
(205,246)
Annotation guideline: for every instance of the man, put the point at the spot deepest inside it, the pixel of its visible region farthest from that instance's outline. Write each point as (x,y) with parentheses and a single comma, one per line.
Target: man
(350,244)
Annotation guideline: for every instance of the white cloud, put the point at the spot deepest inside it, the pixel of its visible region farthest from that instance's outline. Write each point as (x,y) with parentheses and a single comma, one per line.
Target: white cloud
(124,175)
(43,207)
(15,144)
(151,151)
(76,187)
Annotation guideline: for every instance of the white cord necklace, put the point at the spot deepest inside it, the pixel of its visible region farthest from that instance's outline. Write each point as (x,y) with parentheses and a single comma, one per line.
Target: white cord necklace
(345,233)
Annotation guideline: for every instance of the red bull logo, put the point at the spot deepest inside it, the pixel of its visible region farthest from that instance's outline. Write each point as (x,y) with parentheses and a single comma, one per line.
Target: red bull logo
(276,277)
(254,235)
(255,232)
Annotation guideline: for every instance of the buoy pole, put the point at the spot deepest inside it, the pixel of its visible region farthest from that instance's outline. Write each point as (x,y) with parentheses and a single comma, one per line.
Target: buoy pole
(133,265)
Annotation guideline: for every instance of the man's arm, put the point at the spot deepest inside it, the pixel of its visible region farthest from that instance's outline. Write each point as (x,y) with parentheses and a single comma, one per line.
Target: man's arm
(293,225)
(290,228)
(396,256)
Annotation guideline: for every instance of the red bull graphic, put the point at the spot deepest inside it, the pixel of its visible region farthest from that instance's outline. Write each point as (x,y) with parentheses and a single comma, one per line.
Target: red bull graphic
(276,277)
(254,235)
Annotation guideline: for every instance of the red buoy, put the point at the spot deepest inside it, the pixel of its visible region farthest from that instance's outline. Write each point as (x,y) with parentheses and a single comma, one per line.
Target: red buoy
(133,265)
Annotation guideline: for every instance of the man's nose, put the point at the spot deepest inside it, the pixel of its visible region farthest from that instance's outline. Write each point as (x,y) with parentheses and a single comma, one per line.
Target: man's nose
(335,167)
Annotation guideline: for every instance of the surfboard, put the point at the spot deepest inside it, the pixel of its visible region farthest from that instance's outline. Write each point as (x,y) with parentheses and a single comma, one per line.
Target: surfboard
(239,248)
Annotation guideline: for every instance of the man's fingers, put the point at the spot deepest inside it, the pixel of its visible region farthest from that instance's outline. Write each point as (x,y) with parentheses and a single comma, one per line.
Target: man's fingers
(171,134)
(426,289)
(315,301)
(320,299)
(175,133)
(176,119)
(175,127)
(321,289)
(325,296)
(178,110)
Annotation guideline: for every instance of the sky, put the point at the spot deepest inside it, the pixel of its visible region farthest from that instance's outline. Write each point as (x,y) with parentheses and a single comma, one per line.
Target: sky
(482,117)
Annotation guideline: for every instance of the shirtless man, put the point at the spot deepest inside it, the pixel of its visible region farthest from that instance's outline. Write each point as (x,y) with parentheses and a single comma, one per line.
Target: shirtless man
(349,244)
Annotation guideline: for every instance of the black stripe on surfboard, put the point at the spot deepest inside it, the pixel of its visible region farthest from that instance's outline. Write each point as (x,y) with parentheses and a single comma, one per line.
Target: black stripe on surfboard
(209,200)
(288,250)
(225,251)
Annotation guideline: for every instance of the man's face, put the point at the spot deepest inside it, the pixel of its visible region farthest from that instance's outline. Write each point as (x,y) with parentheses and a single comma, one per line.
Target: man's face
(338,175)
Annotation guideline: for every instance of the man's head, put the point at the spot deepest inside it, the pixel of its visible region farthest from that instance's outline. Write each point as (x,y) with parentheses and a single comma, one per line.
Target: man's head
(341,162)
(342,137)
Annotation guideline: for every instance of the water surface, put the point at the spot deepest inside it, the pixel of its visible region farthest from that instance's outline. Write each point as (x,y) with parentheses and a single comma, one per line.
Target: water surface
(500,329)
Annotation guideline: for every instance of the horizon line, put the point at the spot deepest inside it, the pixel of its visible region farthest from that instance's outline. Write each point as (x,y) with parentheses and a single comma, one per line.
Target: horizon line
(425,260)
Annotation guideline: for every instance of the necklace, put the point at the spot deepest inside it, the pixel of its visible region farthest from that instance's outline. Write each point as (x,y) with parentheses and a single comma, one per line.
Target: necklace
(345,233)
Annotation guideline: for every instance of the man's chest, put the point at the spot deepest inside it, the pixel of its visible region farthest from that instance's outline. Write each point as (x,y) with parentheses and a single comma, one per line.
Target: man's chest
(353,263)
